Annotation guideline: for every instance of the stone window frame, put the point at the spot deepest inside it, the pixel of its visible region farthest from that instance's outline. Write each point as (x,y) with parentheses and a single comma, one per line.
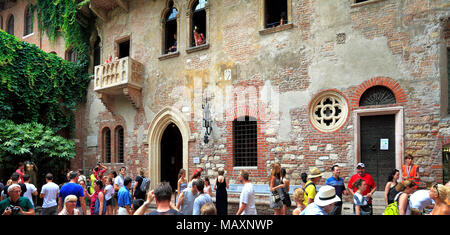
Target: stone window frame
(163,55)
(354,4)
(343,106)
(262,23)
(189,16)
(26,21)
(120,40)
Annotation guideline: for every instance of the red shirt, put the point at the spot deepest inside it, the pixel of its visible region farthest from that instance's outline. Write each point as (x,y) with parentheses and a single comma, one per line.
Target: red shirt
(369,181)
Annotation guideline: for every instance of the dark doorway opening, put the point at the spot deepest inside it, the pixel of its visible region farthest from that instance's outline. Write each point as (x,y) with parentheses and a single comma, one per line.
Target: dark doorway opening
(171,155)
(377,135)
(97,52)
(124,49)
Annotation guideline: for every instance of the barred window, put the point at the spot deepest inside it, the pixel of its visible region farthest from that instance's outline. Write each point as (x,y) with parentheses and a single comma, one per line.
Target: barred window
(120,144)
(245,141)
(106,145)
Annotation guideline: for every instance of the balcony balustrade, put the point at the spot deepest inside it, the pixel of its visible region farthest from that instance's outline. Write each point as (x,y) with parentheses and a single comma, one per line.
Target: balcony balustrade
(121,76)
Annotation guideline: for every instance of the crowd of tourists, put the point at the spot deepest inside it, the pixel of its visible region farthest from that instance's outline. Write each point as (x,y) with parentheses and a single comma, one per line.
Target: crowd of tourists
(118,194)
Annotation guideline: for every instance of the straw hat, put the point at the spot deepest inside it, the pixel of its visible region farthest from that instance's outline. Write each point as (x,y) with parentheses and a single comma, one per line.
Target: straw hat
(326,196)
(314,172)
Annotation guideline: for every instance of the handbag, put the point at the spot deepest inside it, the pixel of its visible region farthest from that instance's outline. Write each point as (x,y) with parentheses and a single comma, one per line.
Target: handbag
(276,196)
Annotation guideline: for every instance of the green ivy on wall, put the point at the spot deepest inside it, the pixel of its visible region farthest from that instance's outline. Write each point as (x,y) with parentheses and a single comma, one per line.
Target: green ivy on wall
(36,86)
(58,18)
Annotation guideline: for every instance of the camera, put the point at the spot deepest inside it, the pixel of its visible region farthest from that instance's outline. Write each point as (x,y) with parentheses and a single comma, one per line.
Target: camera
(14,210)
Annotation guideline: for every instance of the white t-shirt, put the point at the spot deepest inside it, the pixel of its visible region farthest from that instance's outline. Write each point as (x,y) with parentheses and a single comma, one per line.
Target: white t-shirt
(420,199)
(50,191)
(30,189)
(109,189)
(248,197)
(119,181)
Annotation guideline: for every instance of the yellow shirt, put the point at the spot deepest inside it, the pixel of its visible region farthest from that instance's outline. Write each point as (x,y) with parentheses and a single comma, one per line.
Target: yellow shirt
(310,192)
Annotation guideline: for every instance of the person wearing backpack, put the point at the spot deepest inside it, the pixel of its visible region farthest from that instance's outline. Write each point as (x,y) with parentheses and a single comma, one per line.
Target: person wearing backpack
(310,187)
(140,187)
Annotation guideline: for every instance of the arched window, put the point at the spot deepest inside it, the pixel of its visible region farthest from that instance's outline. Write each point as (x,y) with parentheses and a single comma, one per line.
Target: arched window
(170,29)
(106,144)
(10,28)
(276,13)
(71,55)
(120,147)
(198,26)
(28,29)
(377,95)
(245,141)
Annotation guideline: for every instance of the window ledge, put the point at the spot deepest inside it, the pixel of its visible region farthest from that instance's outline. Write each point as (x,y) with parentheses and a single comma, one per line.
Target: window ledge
(28,35)
(364,3)
(169,55)
(197,48)
(276,29)
(238,168)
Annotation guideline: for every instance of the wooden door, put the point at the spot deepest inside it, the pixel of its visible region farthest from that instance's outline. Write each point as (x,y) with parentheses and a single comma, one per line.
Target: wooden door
(377,135)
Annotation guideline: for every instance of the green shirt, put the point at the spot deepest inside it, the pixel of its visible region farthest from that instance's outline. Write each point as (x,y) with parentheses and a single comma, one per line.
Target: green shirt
(23,202)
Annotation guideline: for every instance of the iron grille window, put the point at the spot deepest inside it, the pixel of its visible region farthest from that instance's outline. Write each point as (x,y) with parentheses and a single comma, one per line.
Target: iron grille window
(120,144)
(107,145)
(28,21)
(377,95)
(245,141)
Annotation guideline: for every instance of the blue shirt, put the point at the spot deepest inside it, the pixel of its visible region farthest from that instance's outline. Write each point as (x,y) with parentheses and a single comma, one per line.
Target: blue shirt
(313,209)
(124,197)
(201,200)
(71,189)
(338,185)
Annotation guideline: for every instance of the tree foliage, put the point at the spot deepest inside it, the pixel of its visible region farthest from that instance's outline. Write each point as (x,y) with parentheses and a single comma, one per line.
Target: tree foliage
(33,142)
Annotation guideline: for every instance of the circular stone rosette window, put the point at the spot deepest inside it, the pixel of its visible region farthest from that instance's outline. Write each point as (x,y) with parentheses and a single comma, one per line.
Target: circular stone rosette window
(328,111)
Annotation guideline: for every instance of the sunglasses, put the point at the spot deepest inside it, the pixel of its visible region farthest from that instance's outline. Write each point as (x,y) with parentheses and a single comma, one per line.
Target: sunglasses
(437,190)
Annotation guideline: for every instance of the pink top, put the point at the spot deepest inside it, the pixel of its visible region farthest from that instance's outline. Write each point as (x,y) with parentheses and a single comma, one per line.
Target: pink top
(21,176)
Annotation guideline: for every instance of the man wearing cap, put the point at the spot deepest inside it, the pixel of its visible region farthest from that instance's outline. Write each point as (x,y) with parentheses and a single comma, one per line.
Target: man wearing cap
(323,202)
(310,187)
(371,186)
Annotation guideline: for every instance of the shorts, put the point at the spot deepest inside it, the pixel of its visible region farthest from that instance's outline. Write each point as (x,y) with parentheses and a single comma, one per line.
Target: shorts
(109,202)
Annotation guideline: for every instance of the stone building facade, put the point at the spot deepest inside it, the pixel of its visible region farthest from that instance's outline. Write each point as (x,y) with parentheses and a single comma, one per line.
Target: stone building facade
(338,82)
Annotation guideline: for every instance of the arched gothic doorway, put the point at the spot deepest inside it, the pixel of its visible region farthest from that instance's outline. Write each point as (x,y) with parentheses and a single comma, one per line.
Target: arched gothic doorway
(171,155)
